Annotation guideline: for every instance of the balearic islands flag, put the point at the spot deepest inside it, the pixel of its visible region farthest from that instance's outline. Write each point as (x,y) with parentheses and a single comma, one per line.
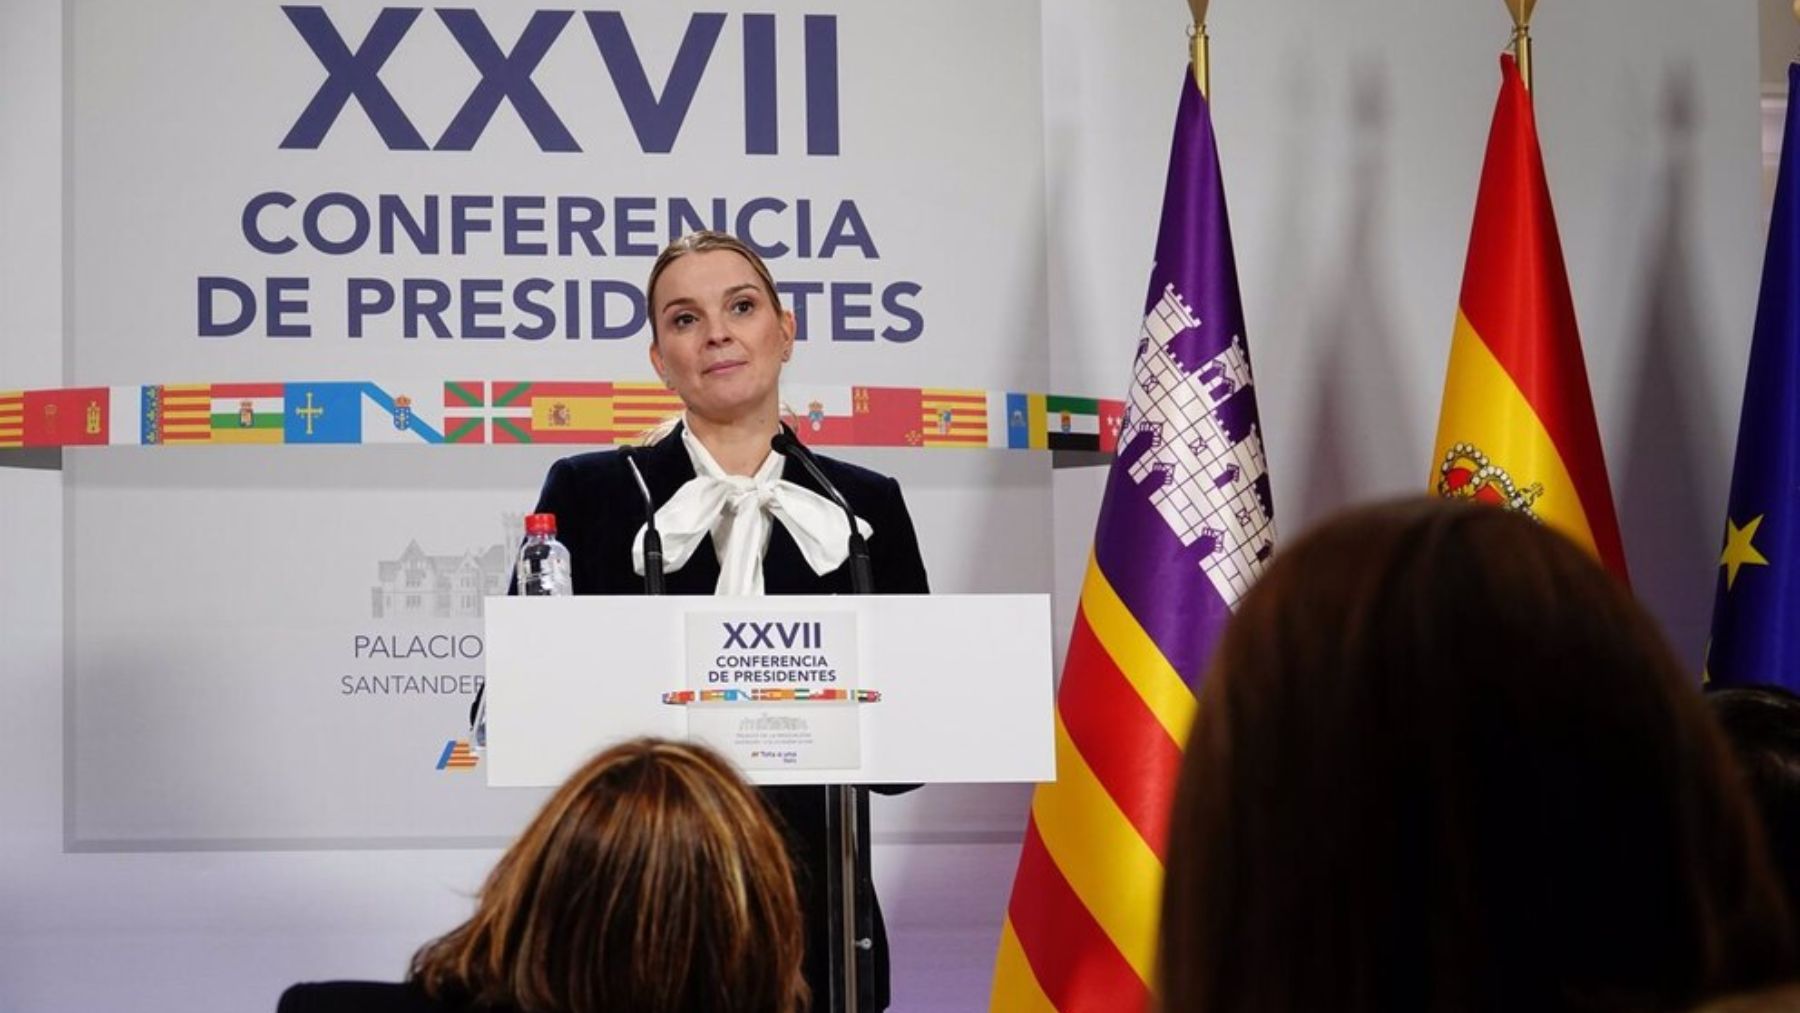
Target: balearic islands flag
(1752,639)
(1185,526)
(1517,427)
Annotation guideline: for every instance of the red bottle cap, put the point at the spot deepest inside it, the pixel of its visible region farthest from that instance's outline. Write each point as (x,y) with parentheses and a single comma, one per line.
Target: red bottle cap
(540,524)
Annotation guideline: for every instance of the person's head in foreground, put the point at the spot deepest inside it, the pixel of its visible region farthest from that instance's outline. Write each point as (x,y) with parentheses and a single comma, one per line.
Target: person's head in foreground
(1762,723)
(652,881)
(1444,761)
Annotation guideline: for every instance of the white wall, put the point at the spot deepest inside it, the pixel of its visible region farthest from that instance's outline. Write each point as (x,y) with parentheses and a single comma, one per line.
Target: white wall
(1352,136)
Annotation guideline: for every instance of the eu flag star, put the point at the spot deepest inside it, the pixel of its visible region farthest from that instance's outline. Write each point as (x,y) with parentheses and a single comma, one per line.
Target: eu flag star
(1739,552)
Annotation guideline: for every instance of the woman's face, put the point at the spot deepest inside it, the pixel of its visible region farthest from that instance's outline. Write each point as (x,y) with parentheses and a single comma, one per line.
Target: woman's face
(720,340)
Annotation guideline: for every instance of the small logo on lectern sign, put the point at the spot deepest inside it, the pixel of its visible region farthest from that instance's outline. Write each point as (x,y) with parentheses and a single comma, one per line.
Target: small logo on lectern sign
(457,755)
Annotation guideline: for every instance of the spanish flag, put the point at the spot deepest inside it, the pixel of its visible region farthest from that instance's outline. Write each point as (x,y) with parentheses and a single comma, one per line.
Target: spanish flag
(1517,428)
(1185,526)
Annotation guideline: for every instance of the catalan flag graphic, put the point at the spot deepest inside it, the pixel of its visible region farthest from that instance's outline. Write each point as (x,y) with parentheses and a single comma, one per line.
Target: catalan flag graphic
(1517,426)
(1185,525)
(248,412)
(457,756)
(12,418)
(954,418)
(638,407)
(1758,585)
(184,413)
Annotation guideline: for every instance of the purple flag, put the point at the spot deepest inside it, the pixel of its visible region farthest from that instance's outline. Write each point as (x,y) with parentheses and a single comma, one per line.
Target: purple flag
(1185,527)
(1188,520)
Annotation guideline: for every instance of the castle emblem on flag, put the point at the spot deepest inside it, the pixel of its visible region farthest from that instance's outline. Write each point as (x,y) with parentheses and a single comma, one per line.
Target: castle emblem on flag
(246,415)
(1067,420)
(1205,465)
(815,415)
(560,416)
(1468,474)
(93,418)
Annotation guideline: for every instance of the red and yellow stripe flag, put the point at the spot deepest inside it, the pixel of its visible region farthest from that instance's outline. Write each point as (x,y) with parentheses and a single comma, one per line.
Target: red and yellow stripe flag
(1517,428)
(1185,527)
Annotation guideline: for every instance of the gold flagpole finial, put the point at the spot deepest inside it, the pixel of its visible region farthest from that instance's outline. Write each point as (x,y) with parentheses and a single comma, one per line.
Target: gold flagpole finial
(1199,46)
(1797,10)
(1521,45)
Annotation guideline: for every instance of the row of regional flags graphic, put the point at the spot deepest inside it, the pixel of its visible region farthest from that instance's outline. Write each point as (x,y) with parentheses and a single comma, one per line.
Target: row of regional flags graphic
(1516,430)
(520,411)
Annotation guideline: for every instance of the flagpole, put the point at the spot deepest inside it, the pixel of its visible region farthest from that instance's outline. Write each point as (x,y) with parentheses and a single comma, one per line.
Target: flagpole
(1521,40)
(1200,45)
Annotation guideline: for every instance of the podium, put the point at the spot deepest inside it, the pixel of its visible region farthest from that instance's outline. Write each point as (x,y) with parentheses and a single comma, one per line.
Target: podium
(793,689)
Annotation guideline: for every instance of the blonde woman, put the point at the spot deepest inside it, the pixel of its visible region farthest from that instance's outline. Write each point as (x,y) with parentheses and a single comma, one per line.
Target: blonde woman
(736,517)
(653,881)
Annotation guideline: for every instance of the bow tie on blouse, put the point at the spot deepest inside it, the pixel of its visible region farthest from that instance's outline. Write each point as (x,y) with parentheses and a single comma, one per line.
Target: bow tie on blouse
(735,510)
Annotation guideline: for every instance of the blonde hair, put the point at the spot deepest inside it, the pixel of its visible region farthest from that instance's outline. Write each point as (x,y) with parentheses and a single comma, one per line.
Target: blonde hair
(704,241)
(653,880)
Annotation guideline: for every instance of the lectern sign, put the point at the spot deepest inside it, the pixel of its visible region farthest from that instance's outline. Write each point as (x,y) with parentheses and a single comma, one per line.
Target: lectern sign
(775,688)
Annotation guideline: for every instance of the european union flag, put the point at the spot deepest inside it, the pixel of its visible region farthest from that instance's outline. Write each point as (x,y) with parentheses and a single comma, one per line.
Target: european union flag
(323,412)
(1754,638)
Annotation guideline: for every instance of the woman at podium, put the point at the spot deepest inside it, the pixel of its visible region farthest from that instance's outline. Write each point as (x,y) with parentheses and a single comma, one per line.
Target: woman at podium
(735,516)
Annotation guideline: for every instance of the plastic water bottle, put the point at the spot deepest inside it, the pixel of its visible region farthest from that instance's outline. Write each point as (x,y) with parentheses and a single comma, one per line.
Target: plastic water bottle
(543,569)
(543,562)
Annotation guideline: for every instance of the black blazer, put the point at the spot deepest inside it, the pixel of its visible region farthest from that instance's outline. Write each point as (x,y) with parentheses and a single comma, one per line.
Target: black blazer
(598,511)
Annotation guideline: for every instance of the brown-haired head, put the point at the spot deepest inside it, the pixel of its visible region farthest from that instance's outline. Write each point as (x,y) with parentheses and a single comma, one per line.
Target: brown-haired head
(652,880)
(1443,760)
(704,241)
(1762,724)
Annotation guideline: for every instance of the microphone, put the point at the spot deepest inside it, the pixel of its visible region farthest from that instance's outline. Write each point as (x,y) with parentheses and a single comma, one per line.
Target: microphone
(862,573)
(653,554)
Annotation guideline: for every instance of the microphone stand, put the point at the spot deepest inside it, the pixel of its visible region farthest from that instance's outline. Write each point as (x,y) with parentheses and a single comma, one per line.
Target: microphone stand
(851,916)
(653,554)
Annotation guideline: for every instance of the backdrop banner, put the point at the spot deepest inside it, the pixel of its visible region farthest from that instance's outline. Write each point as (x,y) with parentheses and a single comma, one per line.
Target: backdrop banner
(270,204)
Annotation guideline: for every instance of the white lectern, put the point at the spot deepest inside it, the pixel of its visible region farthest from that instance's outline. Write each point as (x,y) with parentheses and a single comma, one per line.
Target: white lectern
(828,690)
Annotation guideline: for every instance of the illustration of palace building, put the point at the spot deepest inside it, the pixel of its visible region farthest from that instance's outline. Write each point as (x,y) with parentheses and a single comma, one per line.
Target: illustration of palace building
(418,585)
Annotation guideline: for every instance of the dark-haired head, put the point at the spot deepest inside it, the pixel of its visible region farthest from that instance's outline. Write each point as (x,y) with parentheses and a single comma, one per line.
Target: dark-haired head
(1762,723)
(653,880)
(1444,761)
